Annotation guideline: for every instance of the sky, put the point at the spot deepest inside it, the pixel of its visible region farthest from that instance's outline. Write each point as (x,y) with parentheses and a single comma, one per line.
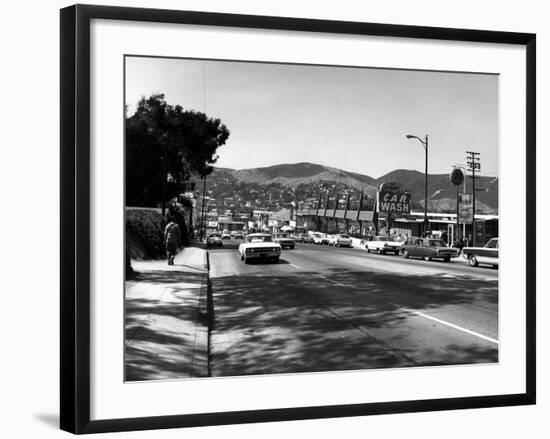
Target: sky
(354,119)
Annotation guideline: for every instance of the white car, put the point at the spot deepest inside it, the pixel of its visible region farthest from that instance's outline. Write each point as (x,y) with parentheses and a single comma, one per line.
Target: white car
(341,240)
(488,254)
(320,238)
(259,246)
(383,245)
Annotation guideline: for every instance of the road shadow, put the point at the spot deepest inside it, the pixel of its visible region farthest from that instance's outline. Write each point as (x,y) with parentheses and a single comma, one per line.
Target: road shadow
(300,322)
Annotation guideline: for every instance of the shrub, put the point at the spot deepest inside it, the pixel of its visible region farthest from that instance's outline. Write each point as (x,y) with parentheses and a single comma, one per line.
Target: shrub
(147,226)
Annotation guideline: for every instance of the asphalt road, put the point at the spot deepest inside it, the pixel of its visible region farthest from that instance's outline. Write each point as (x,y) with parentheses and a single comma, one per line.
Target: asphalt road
(323,308)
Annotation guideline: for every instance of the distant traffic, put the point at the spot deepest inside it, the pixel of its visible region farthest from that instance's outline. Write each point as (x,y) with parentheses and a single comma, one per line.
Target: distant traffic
(267,247)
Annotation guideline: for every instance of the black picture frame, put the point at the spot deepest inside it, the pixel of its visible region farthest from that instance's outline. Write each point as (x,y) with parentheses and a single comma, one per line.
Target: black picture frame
(75,217)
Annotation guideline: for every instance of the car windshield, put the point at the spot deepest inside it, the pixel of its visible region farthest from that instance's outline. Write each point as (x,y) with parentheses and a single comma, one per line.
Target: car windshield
(281,235)
(493,243)
(215,235)
(436,243)
(259,238)
(344,236)
(386,238)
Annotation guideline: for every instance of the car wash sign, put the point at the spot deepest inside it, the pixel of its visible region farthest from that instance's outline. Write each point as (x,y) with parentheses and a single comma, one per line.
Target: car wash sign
(390,198)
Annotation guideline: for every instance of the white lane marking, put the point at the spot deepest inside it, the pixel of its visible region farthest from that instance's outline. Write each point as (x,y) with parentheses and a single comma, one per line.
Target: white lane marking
(452,325)
(295,266)
(335,282)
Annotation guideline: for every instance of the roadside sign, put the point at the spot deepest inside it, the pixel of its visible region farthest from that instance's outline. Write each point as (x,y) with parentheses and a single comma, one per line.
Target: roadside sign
(466,208)
(457,177)
(390,201)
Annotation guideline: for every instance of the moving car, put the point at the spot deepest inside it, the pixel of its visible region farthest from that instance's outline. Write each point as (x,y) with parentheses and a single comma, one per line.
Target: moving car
(284,240)
(308,239)
(341,240)
(429,248)
(214,240)
(488,254)
(383,245)
(237,235)
(259,246)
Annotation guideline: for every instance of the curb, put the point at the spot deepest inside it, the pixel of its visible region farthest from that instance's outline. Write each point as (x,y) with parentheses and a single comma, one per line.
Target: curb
(206,309)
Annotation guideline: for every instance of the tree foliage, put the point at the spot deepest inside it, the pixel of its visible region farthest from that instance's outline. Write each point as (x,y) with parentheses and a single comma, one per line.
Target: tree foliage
(162,139)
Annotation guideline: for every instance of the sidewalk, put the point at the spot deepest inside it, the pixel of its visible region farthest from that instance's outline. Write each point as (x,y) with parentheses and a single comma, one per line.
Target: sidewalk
(166,331)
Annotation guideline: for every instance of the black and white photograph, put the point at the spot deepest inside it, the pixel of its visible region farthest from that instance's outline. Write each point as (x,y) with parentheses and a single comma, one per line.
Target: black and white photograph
(294,218)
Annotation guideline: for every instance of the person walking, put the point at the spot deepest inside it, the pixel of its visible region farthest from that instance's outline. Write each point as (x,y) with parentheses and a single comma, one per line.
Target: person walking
(171,239)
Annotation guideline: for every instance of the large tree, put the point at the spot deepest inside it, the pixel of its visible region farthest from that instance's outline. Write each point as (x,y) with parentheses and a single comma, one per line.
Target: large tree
(165,141)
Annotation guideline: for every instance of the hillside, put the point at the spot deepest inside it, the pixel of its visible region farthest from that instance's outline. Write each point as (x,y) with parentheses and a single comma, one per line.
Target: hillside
(283,184)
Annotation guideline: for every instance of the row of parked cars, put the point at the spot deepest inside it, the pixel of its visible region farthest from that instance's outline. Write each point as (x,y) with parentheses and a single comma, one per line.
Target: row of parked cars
(434,248)
(424,248)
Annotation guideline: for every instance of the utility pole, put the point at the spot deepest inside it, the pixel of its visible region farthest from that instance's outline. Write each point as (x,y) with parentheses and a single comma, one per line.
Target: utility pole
(474,166)
(203,223)
(164,174)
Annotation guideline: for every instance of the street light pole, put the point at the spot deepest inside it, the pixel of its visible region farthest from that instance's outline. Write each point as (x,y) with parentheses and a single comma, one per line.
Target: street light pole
(425,145)
(426,223)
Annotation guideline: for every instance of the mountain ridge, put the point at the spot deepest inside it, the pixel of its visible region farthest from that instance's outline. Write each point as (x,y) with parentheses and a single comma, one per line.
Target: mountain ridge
(308,179)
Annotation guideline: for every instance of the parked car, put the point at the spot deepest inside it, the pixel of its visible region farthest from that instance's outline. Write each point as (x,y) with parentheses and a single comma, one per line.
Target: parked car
(383,245)
(214,240)
(320,238)
(340,240)
(429,248)
(226,235)
(284,240)
(259,246)
(298,237)
(308,239)
(237,235)
(488,254)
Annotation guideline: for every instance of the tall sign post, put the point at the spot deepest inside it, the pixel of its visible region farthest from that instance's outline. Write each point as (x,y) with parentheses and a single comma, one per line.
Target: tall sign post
(391,200)
(457,178)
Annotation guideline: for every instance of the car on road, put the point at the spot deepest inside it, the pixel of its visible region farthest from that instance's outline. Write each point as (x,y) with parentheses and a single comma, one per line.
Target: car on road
(320,238)
(237,235)
(298,237)
(259,246)
(226,235)
(383,245)
(308,239)
(488,254)
(340,240)
(214,240)
(284,240)
(429,248)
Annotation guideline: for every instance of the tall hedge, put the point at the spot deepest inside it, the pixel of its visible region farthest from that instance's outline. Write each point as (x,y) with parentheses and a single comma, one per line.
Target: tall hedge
(147,225)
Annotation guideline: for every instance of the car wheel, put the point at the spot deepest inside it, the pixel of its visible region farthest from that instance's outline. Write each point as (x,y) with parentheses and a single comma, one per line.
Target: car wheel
(405,254)
(242,257)
(368,250)
(428,259)
(447,259)
(275,260)
(472,260)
